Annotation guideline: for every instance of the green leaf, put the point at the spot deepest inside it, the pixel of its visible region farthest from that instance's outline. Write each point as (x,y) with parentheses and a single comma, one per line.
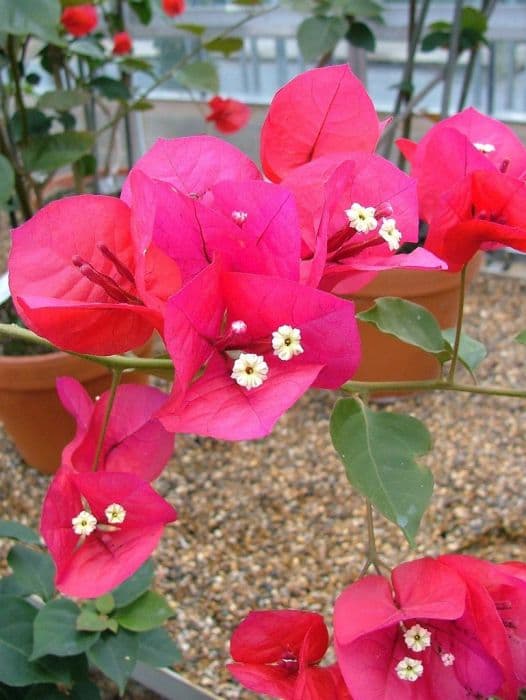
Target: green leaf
(34,571)
(366,9)
(157,649)
(88,48)
(24,17)
(471,351)
(37,123)
(90,621)
(110,88)
(142,9)
(135,586)
(85,690)
(143,105)
(11,587)
(44,692)
(407,321)
(63,100)
(134,65)
(105,604)
(197,29)
(7,184)
(378,450)
(199,75)
(435,40)
(149,611)
(227,45)
(56,632)
(116,656)
(521,338)
(48,153)
(474,20)
(361,36)
(10,528)
(319,35)
(16,641)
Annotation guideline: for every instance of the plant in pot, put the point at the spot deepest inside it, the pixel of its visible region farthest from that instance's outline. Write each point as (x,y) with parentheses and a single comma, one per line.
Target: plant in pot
(67,96)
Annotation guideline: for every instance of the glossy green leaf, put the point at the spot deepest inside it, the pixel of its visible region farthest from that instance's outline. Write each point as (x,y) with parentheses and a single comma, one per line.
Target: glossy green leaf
(378,450)
(24,17)
(521,338)
(197,29)
(11,587)
(115,655)
(105,604)
(63,100)
(135,586)
(110,88)
(471,351)
(90,621)
(14,530)
(225,45)
(199,75)
(147,612)
(89,48)
(318,36)
(157,649)
(407,321)
(34,571)
(56,632)
(142,10)
(48,153)
(435,40)
(474,20)
(361,36)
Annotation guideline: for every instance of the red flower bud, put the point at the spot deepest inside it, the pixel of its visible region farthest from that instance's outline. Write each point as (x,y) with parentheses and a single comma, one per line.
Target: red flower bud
(79,20)
(122,43)
(228,115)
(173,7)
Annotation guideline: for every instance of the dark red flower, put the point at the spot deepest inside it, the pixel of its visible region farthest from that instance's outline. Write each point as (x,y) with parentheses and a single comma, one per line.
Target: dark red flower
(79,20)
(122,43)
(228,115)
(173,7)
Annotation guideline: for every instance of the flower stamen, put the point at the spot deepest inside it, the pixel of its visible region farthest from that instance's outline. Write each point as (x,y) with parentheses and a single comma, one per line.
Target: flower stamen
(250,370)
(361,218)
(286,342)
(115,514)
(84,523)
(409,669)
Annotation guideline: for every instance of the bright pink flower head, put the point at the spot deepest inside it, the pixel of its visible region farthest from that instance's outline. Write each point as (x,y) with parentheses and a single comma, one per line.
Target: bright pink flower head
(254,344)
(193,164)
(134,441)
(277,652)
(322,111)
(173,7)
(487,208)
(99,528)
(228,115)
(72,273)
(79,20)
(418,637)
(122,44)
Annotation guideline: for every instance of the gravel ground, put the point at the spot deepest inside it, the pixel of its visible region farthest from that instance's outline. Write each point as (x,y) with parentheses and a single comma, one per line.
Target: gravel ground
(273,523)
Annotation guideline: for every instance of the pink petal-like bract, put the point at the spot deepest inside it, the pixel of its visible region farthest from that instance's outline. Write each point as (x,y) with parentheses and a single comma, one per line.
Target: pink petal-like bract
(91,565)
(322,111)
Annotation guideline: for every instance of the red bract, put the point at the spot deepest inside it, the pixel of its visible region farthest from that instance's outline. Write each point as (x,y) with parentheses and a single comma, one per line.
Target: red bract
(277,653)
(322,111)
(228,115)
(72,276)
(134,441)
(122,43)
(79,20)
(173,7)
(193,164)
(425,636)
(99,528)
(256,344)
(485,208)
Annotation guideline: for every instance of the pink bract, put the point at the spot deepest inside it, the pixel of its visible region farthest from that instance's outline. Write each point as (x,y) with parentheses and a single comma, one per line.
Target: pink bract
(67,289)
(91,565)
(134,441)
(228,115)
(322,111)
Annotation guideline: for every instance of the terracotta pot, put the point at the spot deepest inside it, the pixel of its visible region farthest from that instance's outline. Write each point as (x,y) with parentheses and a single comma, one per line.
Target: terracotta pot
(384,357)
(30,408)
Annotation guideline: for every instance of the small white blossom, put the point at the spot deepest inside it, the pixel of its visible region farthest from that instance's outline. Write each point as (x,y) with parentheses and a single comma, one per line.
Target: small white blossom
(417,638)
(239,217)
(409,669)
(361,218)
(286,342)
(250,370)
(391,235)
(238,327)
(484,147)
(84,523)
(115,513)
(448,659)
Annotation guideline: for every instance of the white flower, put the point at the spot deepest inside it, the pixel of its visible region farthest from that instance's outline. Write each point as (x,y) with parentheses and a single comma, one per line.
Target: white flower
(409,669)
(417,638)
(484,147)
(448,659)
(250,370)
(115,513)
(238,327)
(239,217)
(391,235)
(84,523)
(361,218)
(286,342)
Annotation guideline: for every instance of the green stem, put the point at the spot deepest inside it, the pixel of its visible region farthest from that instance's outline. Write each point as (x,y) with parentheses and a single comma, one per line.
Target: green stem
(15,72)
(458,331)
(115,381)
(373,558)
(352,387)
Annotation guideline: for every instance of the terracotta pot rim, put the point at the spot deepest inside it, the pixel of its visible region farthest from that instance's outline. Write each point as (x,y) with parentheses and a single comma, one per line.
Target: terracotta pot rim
(37,372)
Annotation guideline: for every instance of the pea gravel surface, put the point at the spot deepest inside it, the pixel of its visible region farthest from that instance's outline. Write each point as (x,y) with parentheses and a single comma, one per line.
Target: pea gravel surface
(273,523)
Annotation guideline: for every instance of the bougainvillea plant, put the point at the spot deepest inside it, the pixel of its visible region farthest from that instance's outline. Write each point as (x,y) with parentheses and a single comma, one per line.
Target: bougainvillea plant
(242,274)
